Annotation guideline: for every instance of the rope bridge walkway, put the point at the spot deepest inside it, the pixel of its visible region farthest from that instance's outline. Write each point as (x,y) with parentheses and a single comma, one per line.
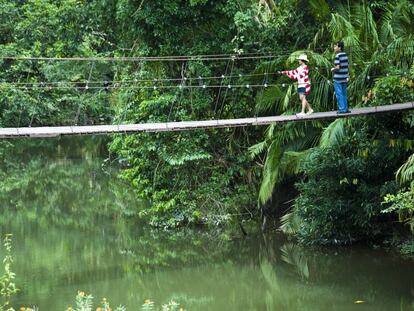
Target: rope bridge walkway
(191,125)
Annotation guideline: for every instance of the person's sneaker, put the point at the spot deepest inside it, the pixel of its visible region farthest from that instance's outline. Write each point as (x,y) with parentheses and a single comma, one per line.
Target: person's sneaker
(301,114)
(310,112)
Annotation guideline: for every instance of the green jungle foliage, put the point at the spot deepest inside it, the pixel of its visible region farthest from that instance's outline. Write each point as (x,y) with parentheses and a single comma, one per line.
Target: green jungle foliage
(340,198)
(377,47)
(344,184)
(339,194)
(224,175)
(30,94)
(202,176)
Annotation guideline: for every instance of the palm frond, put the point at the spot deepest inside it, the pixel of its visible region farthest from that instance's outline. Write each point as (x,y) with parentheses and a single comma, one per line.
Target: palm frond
(401,50)
(321,92)
(270,130)
(361,80)
(290,224)
(271,172)
(333,134)
(270,100)
(257,149)
(319,60)
(342,29)
(288,148)
(366,25)
(405,173)
(322,35)
(287,97)
(302,137)
(397,20)
(386,32)
(292,160)
(294,255)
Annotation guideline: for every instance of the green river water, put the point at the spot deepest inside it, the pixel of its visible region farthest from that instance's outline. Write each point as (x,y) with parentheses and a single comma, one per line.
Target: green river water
(74,229)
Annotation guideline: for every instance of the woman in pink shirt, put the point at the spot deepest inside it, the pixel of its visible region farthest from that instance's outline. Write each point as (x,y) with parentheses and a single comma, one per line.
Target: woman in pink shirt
(302,75)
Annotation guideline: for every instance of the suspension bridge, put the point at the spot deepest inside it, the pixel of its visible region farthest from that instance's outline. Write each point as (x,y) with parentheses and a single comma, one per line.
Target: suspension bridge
(49,131)
(227,81)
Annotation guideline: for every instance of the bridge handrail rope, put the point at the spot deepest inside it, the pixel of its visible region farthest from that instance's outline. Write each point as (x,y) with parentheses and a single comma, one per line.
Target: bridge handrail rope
(204,86)
(108,84)
(154,80)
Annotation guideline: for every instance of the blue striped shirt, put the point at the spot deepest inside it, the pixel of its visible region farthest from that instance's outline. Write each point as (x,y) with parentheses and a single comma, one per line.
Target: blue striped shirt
(342,74)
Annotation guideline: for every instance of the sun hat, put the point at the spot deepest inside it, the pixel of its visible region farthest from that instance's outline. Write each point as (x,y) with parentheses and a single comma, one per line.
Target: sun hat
(303,57)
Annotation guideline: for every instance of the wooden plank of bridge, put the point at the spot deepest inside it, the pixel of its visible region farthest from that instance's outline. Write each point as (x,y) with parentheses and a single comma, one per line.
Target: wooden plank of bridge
(188,125)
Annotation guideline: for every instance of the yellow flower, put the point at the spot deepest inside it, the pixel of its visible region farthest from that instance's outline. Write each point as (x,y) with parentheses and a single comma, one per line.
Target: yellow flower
(69,309)
(81,294)
(98,309)
(359,301)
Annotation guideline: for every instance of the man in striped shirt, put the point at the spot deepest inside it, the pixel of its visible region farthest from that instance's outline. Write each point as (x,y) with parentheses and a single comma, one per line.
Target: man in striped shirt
(341,77)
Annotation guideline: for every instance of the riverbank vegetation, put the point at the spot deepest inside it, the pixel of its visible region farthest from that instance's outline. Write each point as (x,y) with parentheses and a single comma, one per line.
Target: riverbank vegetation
(8,287)
(347,180)
(83,301)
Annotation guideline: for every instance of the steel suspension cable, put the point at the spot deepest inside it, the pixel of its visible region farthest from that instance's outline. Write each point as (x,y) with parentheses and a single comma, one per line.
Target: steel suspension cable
(202,57)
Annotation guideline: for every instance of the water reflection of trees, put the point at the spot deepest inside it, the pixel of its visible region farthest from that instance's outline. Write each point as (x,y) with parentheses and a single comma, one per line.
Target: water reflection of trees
(300,278)
(62,182)
(75,226)
(52,260)
(198,268)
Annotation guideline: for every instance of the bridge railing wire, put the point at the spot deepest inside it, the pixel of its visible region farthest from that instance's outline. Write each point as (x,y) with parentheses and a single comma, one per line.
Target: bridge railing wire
(181,85)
